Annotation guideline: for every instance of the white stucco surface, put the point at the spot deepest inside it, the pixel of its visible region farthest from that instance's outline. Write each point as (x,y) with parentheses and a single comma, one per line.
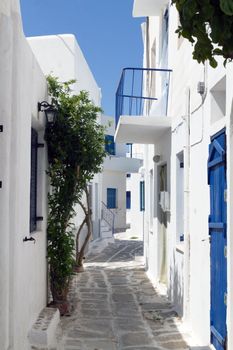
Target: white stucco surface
(188,263)
(61,56)
(135,217)
(144,8)
(23,266)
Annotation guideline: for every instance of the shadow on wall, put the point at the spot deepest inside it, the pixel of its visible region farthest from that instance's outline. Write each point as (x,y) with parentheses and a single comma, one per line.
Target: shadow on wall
(176,284)
(146,263)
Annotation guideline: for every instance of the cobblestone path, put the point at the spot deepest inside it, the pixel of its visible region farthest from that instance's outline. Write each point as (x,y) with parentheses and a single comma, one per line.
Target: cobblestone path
(115,307)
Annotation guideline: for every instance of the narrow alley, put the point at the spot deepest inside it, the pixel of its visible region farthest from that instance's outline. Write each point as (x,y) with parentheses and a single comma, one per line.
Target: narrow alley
(115,306)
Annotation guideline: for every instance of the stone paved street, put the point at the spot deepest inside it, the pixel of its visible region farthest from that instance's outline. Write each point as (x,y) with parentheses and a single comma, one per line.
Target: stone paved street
(115,307)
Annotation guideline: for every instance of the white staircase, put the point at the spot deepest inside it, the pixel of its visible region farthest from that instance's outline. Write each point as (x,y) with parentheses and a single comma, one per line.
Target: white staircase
(105,229)
(107,222)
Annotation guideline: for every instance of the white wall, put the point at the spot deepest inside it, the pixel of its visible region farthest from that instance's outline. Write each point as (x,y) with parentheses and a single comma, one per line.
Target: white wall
(189,278)
(61,56)
(22,265)
(156,241)
(186,74)
(135,217)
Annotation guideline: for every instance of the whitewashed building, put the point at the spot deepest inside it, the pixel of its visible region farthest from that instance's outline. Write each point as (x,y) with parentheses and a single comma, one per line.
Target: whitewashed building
(23,193)
(23,181)
(61,56)
(117,167)
(185,125)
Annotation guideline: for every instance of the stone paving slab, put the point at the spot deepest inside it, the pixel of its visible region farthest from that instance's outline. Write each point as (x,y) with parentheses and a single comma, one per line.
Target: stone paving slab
(115,306)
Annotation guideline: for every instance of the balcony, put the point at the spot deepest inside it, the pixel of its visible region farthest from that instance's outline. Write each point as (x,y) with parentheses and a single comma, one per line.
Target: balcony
(118,159)
(142,105)
(123,164)
(146,8)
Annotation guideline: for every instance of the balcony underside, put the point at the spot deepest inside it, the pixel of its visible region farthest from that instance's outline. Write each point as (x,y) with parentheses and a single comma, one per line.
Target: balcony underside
(123,164)
(146,8)
(144,130)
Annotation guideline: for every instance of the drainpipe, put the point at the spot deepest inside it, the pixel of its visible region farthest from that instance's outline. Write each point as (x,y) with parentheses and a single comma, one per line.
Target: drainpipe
(187,210)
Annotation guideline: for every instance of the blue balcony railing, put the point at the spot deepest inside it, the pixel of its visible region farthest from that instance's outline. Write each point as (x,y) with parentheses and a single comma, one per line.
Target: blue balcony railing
(140,89)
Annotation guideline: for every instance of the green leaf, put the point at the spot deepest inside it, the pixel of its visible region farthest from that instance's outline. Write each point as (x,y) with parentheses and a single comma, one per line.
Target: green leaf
(227,7)
(209,25)
(75,153)
(213,62)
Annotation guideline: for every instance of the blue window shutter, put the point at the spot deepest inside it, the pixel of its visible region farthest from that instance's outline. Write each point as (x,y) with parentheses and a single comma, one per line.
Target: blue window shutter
(110,144)
(111,198)
(33,183)
(128,200)
(142,195)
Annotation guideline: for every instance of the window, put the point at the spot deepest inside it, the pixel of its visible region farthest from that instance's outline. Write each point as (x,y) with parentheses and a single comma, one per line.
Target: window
(111,198)
(110,144)
(128,200)
(128,175)
(129,151)
(180,196)
(142,195)
(33,183)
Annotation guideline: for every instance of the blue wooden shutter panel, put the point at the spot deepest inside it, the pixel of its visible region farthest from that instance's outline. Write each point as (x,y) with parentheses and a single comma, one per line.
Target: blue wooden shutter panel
(128,200)
(33,183)
(110,144)
(111,198)
(217,231)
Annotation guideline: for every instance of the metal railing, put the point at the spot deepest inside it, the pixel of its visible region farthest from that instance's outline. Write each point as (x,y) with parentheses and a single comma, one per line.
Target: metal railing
(108,216)
(139,88)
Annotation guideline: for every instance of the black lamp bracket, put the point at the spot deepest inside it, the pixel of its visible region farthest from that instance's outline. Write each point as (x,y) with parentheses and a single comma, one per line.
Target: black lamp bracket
(26,239)
(43,106)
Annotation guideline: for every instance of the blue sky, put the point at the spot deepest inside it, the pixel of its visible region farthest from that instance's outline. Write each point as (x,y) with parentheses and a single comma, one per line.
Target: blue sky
(105,30)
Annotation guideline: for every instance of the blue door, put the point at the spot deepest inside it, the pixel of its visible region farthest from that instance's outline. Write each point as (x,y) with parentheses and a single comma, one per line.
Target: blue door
(218,239)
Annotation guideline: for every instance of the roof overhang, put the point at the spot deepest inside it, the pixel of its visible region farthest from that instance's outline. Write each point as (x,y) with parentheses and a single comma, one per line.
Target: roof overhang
(147,8)
(141,129)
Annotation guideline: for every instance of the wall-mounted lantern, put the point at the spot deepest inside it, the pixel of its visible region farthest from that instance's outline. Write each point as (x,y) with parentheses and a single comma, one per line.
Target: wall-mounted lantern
(50,111)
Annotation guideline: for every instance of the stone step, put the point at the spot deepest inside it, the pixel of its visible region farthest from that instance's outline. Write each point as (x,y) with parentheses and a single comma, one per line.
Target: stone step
(106,234)
(42,335)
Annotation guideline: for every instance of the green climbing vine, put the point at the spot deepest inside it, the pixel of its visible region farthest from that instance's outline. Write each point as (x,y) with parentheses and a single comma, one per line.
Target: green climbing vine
(75,142)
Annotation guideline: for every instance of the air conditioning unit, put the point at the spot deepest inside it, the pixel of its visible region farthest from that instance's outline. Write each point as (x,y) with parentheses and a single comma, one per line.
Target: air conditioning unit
(164,201)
